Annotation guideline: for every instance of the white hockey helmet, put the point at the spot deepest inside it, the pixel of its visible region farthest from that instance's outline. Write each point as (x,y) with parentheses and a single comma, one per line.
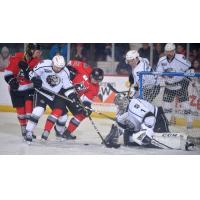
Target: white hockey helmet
(58,61)
(170,47)
(131,55)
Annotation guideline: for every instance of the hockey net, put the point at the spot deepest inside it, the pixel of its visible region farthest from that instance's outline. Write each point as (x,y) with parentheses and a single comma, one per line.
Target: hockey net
(178,94)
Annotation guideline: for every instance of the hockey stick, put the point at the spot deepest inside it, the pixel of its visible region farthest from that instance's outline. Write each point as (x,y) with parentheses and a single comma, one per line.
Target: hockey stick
(51,92)
(97,131)
(129,91)
(116,91)
(100,113)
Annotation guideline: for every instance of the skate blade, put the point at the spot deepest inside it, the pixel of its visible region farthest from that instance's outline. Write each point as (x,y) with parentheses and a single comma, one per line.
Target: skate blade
(43,141)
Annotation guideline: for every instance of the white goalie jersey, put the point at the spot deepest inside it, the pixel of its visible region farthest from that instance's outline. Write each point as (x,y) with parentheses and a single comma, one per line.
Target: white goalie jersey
(136,114)
(51,80)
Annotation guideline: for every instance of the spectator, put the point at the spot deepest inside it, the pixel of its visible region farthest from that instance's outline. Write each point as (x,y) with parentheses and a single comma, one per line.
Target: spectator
(123,68)
(108,52)
(100,51)
(4,58)
(144,51)
(158,52)
(120,50)
(193,55)
(180,49)
(196,66)
(79,52)
(58,48)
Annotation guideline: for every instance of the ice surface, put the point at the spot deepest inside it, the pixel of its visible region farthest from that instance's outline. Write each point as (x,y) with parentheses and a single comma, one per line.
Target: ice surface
(11,141)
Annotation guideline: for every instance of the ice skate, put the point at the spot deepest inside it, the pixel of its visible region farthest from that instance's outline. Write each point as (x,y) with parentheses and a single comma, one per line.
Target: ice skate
(189,145)
(34,136)
(28,138)
(45,136)
(68,136)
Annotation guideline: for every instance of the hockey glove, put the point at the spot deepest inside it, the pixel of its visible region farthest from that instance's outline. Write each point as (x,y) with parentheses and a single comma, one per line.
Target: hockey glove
(87,109)
(14,85)
(136,87)
(79,87)
(131,79)
(25,68)
(37,82)
(72,72)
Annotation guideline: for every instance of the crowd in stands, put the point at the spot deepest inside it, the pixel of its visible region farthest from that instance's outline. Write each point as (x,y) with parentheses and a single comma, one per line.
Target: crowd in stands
(95,52)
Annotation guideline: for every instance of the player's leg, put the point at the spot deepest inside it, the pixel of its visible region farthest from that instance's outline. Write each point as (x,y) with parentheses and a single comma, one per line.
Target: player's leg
(18,103)
(168,98)
(184,101)
(37,112)
(29,102)
(79,116)
(60,125)
(29,105)
(73,125)
(58,107)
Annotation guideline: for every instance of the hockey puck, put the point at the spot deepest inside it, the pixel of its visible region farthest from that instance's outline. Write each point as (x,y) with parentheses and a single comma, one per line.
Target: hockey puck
(86,144)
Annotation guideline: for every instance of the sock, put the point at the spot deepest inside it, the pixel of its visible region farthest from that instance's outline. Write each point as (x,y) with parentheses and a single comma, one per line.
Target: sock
(51,120)
(74,122)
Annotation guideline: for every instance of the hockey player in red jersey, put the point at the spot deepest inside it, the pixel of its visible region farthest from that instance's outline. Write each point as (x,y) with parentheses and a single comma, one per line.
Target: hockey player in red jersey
(21,88)
(86,81)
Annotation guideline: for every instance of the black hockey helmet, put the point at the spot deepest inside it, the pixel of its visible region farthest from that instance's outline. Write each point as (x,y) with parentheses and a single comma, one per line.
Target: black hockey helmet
(31,47)
(97,74)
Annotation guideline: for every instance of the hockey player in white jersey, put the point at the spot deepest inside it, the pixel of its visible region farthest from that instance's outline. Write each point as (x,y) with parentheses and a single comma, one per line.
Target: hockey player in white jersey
(50,77)
(138,122)
(138,65)
(176,86)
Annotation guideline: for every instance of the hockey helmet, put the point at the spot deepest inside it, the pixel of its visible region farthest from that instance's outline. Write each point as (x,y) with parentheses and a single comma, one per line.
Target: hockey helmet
(31,47)
(97,74)
(170,47)
(58,61)
(131,55)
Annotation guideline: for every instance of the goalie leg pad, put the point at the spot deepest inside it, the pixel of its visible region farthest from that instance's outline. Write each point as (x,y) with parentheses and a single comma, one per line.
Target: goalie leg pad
(112,137)
(161,125)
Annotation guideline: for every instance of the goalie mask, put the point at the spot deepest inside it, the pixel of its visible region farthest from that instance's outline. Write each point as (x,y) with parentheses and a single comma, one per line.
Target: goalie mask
(121,101)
